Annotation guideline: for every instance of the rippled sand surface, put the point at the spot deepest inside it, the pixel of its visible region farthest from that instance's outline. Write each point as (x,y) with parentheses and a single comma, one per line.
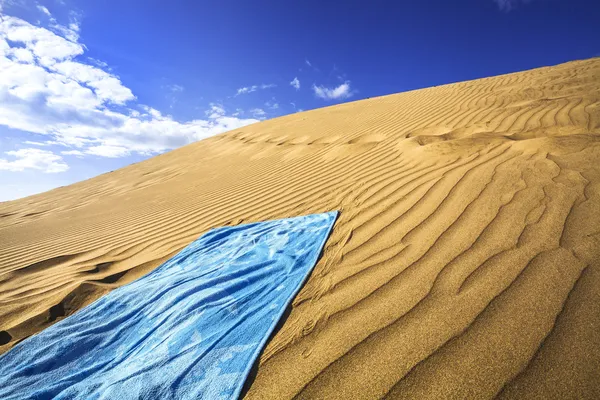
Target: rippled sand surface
(465,262)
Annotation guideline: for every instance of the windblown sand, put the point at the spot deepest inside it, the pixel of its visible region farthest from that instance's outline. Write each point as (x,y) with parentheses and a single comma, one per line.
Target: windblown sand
(465,262)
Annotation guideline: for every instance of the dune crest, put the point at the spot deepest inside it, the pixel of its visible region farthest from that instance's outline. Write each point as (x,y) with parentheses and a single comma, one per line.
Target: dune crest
(465,262)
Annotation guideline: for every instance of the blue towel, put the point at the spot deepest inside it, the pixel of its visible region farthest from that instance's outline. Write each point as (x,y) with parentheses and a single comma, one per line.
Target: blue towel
(191,329)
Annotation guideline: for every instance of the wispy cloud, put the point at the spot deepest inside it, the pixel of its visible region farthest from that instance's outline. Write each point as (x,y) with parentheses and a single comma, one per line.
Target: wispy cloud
(296,109)
(273,105)
(258,113)
(175,88)
(32,143)
(311,65)
(340,92)
(246,90)
(295,83)
(508,5)
(173,93)
(99,63)
(254,88)
(75,153)
(44,10)
(215,111)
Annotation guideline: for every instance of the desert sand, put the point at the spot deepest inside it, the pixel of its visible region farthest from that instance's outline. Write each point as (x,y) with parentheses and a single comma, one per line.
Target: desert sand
(465,262)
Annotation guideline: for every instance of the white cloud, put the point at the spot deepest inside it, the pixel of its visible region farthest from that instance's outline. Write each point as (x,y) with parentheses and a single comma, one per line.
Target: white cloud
(246,90)
(258,113)
(74,24)
(273,105)
(70,32)
(22,55)
(48,47)
(31,158)
(508,5)
(35,143)
(108,151)
(153,112)
(254,88)
(215,111)
(44,10)
(310,65)
(98,63)
(295,83)
(107,87)
(175,88)
(343,91)
(75,153)
(46,88)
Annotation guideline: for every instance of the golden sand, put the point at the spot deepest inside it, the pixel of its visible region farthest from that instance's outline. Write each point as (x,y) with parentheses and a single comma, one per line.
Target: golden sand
(465,262)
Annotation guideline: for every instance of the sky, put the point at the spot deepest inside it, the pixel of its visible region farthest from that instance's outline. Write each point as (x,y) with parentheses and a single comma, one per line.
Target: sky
(87,87)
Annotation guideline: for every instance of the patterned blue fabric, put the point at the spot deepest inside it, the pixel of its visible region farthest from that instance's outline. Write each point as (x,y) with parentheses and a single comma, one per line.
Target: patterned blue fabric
(191,329)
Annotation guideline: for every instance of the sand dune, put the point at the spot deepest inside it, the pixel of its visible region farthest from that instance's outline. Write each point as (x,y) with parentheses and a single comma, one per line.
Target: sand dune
(465,262)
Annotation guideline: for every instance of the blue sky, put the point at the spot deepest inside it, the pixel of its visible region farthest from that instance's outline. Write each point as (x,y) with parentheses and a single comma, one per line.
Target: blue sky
(90,86)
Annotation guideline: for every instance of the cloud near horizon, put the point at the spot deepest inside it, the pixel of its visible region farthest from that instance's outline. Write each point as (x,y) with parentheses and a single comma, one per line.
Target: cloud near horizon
(30,158)
(340,92)
(47,88)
